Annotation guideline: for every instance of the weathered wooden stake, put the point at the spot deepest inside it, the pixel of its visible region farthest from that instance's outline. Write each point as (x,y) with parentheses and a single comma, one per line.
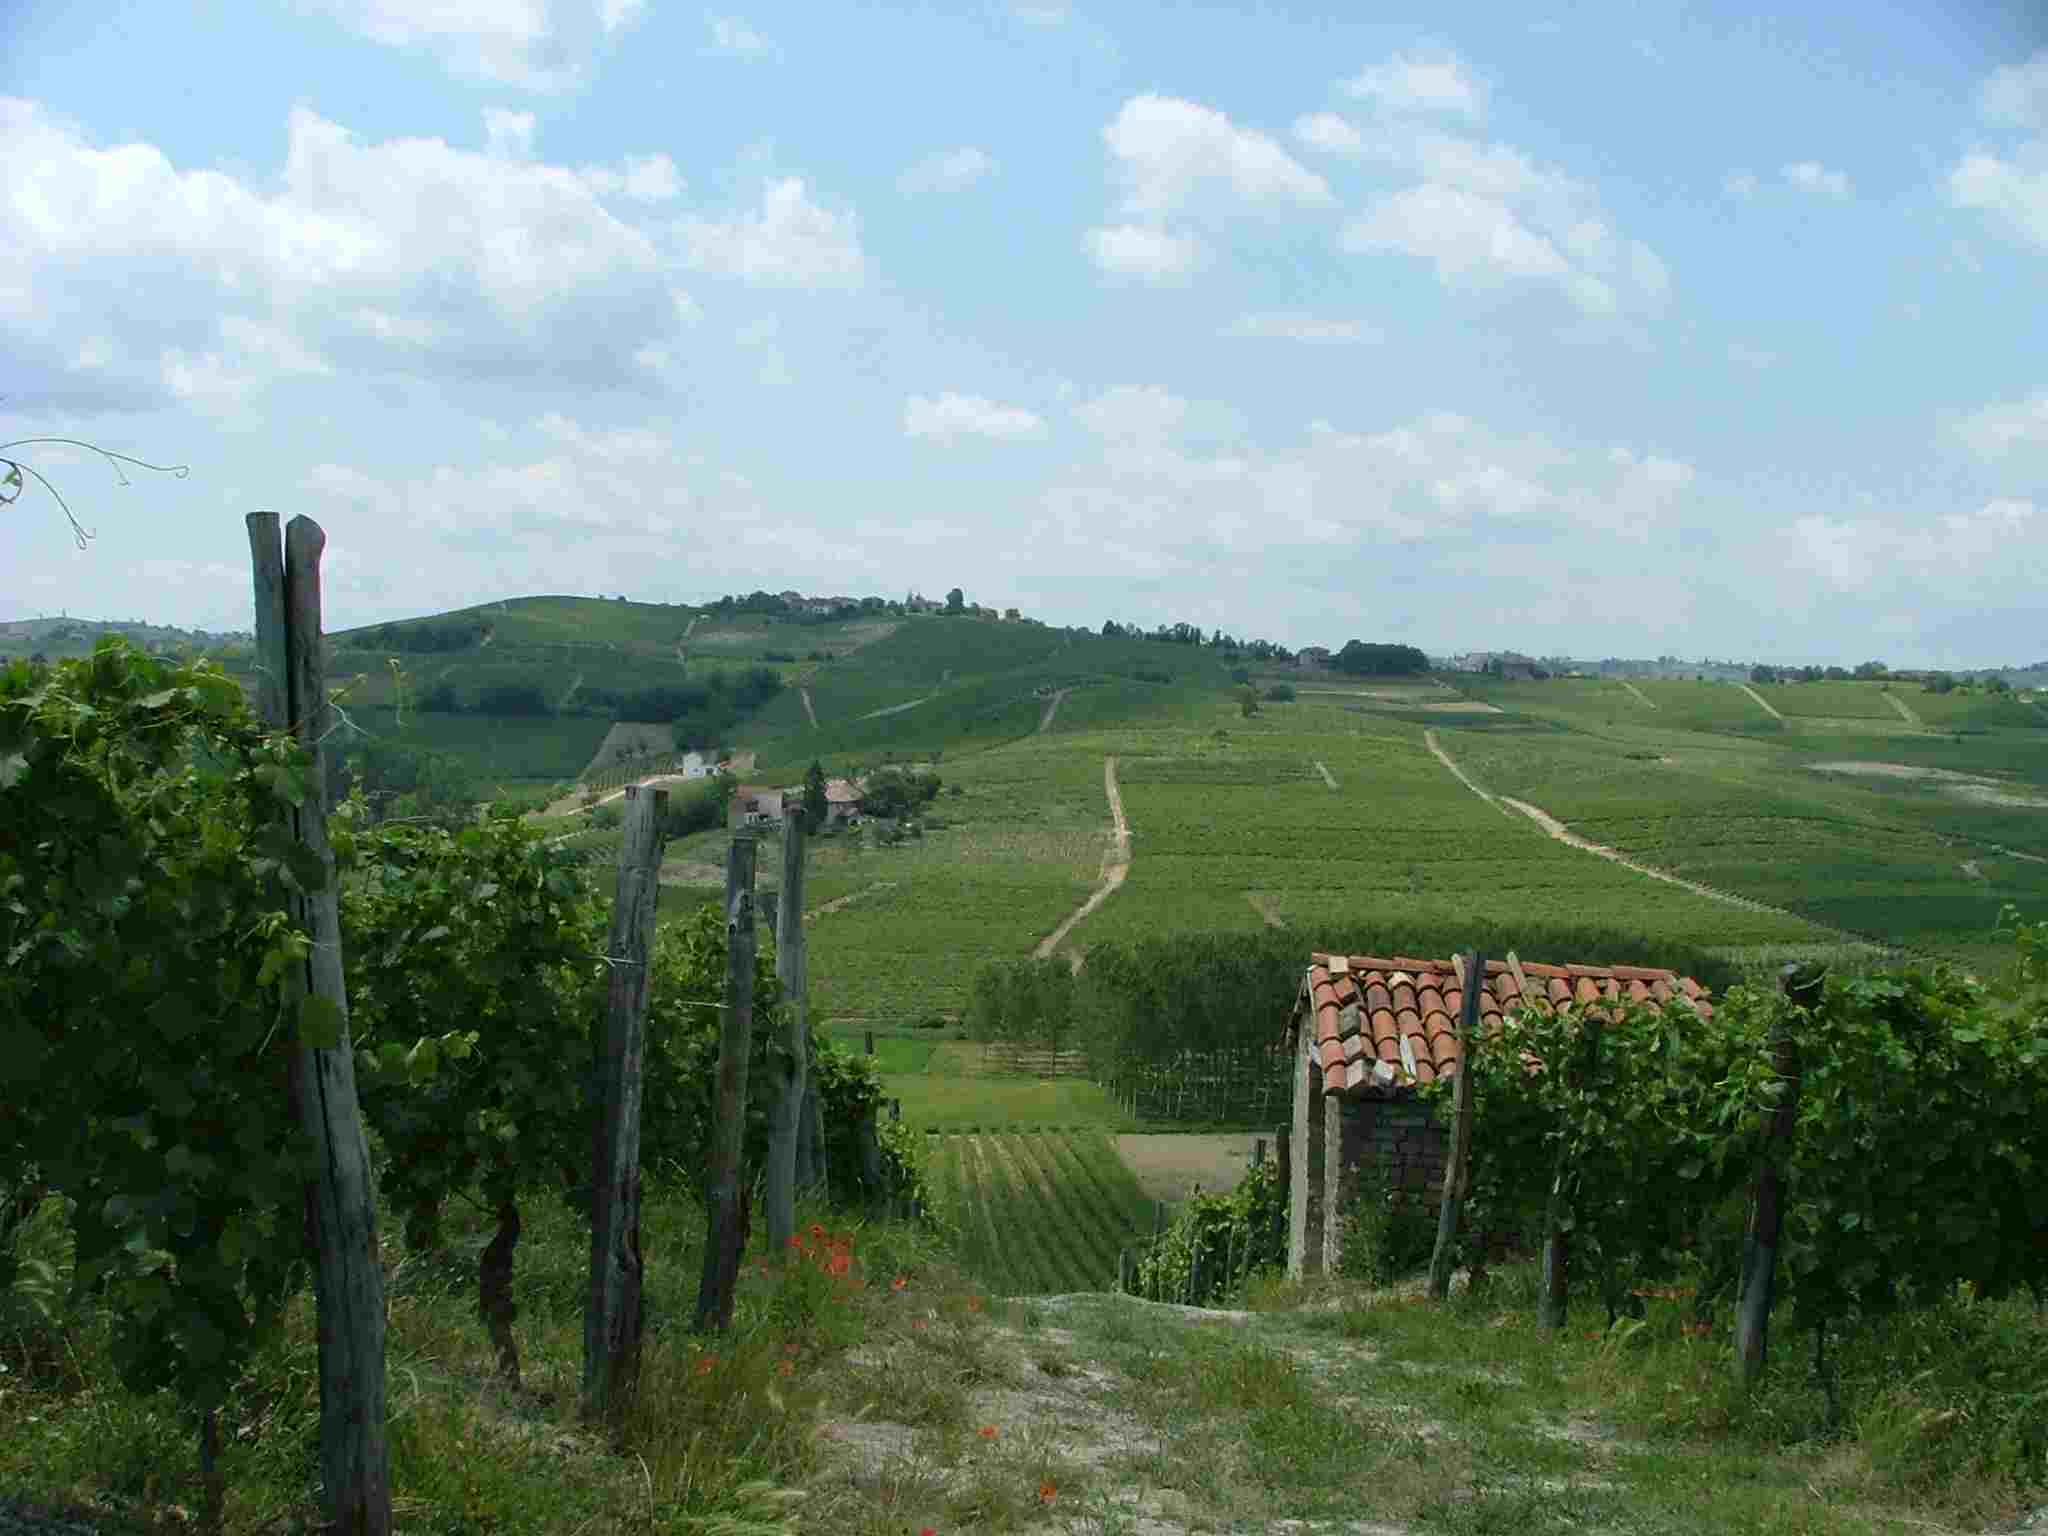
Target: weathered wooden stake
(1455,1168)
(793,1073)
(1802,986)
(723,1190)
(870,1041)
(355,1462)
(1126,1271)
(1283,1166)
(613,1315)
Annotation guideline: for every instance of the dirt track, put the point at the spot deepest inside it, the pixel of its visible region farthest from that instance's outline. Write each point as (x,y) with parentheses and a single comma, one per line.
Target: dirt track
(1116,864)
(1051,709)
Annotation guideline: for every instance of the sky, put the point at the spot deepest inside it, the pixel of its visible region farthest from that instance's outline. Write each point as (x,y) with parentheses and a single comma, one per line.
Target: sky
(1575,329)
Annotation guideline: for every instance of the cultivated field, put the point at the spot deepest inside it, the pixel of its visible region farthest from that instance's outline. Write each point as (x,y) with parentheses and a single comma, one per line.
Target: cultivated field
(1039,1211)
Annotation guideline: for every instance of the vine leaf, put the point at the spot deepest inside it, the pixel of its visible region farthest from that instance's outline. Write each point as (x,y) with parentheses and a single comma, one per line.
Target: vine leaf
(321,1022)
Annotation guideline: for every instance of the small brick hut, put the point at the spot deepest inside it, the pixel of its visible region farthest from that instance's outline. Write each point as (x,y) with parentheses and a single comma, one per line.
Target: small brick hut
(1366,1033)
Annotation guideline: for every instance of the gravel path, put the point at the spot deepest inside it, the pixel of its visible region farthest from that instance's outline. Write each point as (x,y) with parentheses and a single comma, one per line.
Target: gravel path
(1116,865)
(1762,702)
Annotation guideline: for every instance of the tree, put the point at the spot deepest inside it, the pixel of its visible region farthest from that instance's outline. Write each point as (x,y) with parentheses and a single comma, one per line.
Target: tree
(1871,669)
(814,797)
(1763,674)
(1360,659)
(1248,701)
(956,601)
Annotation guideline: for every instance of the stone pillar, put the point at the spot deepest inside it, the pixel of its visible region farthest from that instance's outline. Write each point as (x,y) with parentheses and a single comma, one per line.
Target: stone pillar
(1305,1178)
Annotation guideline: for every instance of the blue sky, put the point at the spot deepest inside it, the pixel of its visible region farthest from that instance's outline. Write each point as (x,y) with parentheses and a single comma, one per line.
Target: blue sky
(1587,329)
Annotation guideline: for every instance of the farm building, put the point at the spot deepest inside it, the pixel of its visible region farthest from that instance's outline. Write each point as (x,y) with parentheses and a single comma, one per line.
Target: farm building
(1364,1035)
(751,800)
(1313,656)
(842,800)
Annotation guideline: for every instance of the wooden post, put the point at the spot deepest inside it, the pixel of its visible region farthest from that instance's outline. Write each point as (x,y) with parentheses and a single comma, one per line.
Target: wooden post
(1473,983)
(723,1188)
(1283,1166)
(1126,1270)
(1802,987)
(870,1041)
(1258,1151)
(613,1315)
(793,1075)
(355,1464)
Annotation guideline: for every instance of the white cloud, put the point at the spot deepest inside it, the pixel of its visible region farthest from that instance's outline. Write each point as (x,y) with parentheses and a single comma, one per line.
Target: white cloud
(1133,414)
(1289,325)
(1428,80)
(640,178)
(1976,556)
(1151,255)
(1812,176)
(1043,14)
(950,170)
(2011,184)
(1171,154)
(400,254)
(950,416)
(1749,356)
(1740,184)
(735,37)
(2018,94)
(1484,214)
(1329,133)
(1997,432)
(791,242)
(537,45)
(508,133)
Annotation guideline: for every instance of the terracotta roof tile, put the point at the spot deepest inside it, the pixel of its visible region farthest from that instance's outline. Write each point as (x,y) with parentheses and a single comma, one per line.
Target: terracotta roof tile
(1381,1025)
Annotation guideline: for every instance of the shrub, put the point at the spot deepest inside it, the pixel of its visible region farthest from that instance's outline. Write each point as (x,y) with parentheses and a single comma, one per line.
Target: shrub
(1281,693)
(1218,1242)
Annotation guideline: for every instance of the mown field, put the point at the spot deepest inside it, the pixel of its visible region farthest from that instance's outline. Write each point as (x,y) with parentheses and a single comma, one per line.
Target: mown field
(1039,1212)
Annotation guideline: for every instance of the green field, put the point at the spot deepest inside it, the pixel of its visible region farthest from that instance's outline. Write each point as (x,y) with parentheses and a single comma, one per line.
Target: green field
(1041,1212)
(1833,701)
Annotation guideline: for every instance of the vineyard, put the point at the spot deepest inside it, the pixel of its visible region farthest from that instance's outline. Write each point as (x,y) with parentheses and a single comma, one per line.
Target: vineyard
(1039,1213)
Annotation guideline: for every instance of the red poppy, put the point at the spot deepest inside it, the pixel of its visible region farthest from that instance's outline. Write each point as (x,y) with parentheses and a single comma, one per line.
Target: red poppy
(987,1431)
(1047,1491)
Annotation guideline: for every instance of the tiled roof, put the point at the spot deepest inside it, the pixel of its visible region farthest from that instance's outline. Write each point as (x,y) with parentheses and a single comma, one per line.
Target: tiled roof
(841,791)
(1381,1025)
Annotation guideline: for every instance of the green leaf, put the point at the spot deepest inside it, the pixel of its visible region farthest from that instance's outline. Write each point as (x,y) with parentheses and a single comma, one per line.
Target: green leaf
(321,1022)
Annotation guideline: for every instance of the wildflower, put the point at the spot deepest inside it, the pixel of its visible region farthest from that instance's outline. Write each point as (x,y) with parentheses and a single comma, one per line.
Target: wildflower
(927,1531)
(974,1303)
(917,1323)
(1047,1491)
(785,1368)
(899,1282)
(817,1232)
(840,1264)
(796,1243)
(707,1365)
(987,1431)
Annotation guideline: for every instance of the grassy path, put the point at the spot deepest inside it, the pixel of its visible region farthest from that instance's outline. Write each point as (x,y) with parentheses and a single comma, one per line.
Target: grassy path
(1429,740)
(1052,708)
(1117,866)
(1905,710)
(1762,703)
(1632,688)
(1327,778)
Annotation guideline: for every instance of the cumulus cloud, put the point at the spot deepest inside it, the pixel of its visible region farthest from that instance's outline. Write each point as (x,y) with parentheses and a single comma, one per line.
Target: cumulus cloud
(640,178)
(1984,554)
(2017,94)
(537,45)
(1328,132)
(1294,325)
(1171,154)
(1740,184)
(1812,176)
(790,242)
(951,170)
(1149,255)
(2005,430)
(405,254)
(2009,183)
(1486,214)
(1430,79)
(508,133)
(735,37)
(950,416)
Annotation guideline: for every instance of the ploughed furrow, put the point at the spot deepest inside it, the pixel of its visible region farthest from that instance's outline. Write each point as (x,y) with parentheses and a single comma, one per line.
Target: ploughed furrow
(977,1213)
(1013,1264)
(1061,1213)
(1029,1218)
(1093,1208)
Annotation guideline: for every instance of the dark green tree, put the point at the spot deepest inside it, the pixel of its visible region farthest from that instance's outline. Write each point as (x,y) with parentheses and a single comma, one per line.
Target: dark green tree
(814,797)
